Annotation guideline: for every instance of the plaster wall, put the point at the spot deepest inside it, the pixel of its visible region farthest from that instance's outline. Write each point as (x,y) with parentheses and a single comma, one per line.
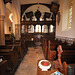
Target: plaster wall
(7,25)
(16,13)
(61,29)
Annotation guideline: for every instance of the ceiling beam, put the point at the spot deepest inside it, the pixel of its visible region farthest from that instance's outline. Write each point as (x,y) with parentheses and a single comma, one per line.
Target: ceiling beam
(38,23)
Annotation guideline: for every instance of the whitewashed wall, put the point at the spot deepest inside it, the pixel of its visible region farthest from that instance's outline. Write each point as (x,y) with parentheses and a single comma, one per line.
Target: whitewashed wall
(61,29)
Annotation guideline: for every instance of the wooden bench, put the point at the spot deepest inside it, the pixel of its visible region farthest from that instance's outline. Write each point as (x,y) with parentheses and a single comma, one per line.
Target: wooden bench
(10,53)
(48,53)
(68,56)
(4,68)
(18,46)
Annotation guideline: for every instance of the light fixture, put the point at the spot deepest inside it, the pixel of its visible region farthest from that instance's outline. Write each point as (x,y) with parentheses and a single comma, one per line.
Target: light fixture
(10,17)
(40,19)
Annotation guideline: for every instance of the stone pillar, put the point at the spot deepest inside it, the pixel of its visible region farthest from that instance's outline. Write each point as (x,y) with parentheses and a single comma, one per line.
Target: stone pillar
(17,31)
(2,35)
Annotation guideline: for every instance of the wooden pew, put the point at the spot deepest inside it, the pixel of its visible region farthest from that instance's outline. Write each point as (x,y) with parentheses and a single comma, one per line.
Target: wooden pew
(4,68)
(24,46)
(45,49)
(68,56)
(10,53)
(51,53)
(7,36)
(48,53)
(65,68)
(18,45)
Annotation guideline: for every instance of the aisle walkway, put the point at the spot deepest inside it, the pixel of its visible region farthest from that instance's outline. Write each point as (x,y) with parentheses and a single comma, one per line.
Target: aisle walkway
(29,64)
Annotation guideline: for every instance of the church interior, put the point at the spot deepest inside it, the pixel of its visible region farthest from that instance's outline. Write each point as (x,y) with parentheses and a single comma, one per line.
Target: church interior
(37,37)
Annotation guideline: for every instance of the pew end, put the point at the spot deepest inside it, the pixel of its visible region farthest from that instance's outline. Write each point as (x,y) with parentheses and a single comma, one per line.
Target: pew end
(65,68)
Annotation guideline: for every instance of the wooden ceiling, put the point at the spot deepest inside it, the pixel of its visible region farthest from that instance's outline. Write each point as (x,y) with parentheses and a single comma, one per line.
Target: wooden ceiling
(6,1)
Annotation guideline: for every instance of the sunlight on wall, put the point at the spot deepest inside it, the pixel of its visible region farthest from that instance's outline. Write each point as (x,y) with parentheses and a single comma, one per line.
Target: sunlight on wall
(11,17)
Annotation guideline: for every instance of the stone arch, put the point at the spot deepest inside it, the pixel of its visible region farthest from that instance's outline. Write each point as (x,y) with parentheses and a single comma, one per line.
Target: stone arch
(16,11)
(16,18)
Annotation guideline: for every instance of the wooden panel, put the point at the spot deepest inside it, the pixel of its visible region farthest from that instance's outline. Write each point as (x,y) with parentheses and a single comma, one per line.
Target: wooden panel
(3,67)
(10,54)
(37,22)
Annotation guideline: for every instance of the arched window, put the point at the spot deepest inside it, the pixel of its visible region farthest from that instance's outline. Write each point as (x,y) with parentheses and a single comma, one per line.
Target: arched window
(51,28)
(70,14)
(38,28)
(67,15)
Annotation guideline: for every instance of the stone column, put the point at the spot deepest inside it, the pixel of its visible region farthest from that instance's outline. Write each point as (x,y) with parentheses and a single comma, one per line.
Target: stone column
(2,35)
(17,31)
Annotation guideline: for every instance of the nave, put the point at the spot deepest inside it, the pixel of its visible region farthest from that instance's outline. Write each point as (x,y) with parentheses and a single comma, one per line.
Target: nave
(25,23)
(28,65)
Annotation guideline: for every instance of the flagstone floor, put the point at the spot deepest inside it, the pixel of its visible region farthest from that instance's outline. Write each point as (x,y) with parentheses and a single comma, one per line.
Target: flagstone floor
(28,65)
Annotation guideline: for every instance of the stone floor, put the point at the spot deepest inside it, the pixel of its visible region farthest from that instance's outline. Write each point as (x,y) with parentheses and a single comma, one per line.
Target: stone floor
(29,64)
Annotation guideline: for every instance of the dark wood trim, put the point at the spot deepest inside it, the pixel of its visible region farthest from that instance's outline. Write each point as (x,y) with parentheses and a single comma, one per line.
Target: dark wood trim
(38,22)
(25,6)
(6,1)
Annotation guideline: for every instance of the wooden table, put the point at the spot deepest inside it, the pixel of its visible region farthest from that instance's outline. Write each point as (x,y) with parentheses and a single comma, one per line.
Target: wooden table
(49,72)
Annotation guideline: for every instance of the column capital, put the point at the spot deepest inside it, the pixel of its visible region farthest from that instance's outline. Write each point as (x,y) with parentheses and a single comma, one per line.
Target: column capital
(2,17)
